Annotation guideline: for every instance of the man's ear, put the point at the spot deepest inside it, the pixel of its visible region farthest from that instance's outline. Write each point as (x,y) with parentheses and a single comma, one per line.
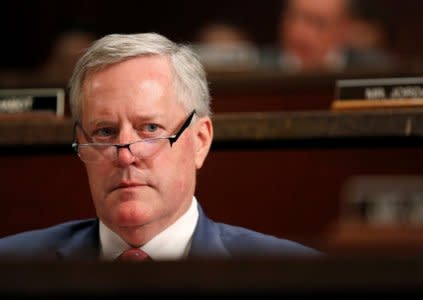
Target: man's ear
(203,139)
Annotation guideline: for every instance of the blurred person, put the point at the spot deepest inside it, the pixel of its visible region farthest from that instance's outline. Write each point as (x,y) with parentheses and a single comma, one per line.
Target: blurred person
(143,129)
(56,69)
(224,46)
(316,36)
(221,33)
(65,52)
(370,26)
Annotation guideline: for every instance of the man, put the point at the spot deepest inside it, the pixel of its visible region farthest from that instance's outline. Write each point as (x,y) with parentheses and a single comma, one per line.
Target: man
(141,106)
(316,36)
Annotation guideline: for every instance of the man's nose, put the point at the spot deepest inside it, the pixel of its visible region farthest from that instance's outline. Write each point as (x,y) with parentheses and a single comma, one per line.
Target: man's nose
(124,153)
(125,156)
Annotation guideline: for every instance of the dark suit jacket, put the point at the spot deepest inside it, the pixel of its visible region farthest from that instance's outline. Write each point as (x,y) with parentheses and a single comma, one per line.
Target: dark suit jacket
(79,240)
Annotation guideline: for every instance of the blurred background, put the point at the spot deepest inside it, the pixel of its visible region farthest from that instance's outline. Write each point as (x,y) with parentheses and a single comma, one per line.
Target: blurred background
(270,56)
(230,35)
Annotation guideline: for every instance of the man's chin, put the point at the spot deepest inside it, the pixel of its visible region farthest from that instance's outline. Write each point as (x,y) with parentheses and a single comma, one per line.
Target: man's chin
(131,212)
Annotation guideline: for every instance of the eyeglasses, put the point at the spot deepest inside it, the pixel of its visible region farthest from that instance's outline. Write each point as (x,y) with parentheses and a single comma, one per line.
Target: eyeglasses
(144,148)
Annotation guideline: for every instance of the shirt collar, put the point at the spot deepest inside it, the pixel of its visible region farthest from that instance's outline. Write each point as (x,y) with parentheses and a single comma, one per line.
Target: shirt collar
(172,243)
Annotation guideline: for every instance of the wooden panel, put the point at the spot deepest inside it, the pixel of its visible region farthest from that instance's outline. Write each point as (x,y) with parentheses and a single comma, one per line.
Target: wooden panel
(42,189)
(291,192)
(286,192)
(279,173)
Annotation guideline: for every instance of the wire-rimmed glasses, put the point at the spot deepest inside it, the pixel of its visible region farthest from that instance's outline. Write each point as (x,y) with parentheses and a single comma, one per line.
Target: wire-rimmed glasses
(143,148)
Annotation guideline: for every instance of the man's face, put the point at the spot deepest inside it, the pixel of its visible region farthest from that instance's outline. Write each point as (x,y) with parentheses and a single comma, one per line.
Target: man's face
(124,103)
(313,29)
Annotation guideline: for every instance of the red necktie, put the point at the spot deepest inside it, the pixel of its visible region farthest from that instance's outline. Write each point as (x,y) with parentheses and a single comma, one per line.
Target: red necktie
(133,254)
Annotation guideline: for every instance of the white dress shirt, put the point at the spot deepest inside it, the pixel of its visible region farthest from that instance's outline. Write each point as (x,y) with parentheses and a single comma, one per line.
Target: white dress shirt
(171,244)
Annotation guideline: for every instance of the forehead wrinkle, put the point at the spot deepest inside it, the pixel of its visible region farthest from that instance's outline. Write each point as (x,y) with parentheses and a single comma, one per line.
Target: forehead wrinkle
(152,85)
(144,117)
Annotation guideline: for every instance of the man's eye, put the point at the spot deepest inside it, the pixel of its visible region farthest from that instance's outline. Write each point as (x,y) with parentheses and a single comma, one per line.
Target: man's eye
(104,132)
(151,127)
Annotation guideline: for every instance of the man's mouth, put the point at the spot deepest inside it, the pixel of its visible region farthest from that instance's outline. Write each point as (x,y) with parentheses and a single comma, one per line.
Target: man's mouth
(128,185)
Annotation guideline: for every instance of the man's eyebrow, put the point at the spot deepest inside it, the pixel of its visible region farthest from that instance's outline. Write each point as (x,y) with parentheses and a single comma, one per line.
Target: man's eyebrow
(141,117)
(148,117)
(155,117)
(99,122)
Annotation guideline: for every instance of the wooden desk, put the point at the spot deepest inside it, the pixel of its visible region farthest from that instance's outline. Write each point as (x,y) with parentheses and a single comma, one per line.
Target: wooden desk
(273,91)
(263,277)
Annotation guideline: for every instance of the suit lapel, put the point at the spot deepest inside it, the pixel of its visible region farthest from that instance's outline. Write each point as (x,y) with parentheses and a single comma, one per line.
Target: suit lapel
(206,241)
(83,244)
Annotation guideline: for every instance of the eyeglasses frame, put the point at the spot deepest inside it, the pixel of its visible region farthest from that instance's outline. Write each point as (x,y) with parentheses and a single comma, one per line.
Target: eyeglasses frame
(172,139)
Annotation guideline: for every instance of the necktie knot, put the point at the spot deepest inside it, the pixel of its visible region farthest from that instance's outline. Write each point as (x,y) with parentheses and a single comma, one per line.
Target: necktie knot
(133,254)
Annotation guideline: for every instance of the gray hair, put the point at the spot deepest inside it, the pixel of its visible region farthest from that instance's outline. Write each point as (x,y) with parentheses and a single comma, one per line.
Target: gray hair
(189,77)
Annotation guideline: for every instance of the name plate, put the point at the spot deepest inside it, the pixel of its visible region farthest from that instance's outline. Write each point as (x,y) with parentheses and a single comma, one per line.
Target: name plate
(24,101)
(378,93)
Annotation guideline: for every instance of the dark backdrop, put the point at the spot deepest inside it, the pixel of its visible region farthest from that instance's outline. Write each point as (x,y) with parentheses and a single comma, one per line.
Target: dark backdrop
(28,28)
